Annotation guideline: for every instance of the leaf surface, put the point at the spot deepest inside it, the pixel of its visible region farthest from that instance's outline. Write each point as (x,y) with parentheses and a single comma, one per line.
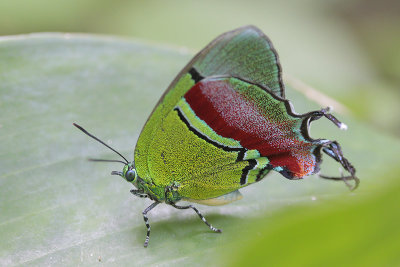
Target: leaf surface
(57,207)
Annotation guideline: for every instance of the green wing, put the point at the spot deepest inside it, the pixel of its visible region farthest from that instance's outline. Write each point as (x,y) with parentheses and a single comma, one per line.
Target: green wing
(245,52)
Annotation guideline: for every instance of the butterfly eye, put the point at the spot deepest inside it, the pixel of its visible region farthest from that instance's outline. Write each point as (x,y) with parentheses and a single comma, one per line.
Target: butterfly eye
(130,175)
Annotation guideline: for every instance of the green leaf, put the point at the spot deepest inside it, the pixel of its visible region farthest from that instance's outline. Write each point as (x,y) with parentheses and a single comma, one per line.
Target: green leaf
(57,207)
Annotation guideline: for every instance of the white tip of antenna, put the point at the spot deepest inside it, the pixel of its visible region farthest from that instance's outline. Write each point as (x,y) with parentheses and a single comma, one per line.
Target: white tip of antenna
(343,126)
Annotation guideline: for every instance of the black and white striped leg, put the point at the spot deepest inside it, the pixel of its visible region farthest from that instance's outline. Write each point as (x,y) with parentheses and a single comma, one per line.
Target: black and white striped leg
(139,193)
(198,213)
(146,221)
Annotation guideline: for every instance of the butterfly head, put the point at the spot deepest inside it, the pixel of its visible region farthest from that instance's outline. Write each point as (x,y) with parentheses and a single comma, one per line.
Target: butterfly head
(129,173)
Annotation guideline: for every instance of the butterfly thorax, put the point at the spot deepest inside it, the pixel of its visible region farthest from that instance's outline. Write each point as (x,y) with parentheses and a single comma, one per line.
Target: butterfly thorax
(161,193)
(166,194)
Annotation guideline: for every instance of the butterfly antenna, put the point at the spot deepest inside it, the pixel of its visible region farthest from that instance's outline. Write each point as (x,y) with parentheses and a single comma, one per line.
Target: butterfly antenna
(98,140)
(106,160)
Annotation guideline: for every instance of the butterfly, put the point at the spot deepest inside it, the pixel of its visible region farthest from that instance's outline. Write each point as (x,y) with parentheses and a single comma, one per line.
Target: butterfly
(223,124)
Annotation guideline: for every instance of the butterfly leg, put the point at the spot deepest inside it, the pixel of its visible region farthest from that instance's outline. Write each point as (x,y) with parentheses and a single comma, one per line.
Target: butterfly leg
(139,193)
(334,150)
(198,213)
(146,221)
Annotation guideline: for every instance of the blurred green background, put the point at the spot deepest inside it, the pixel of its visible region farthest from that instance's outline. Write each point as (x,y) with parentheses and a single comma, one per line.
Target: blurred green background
(57,208)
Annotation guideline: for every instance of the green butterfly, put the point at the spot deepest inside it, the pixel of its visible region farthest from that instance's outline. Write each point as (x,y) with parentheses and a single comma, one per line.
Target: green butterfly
(223,124)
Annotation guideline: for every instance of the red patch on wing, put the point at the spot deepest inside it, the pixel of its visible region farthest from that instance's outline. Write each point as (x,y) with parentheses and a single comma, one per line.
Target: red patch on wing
(231,115)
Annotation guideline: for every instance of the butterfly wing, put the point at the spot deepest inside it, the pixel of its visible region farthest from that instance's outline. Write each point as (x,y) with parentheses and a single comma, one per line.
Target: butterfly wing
(224,123)
(245,52)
